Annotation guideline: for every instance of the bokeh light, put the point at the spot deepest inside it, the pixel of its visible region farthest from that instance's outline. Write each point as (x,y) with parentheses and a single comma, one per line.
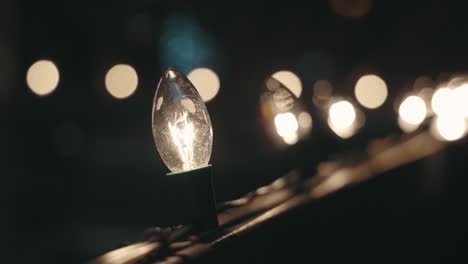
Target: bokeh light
(305,120)
(342,114)
(405,126)
(341,118)
(422,82)
(371,91)
(413,110)
(42,77)
(121,81)
(206,81)
(442,102)
(290,80)
(461,97)
(323,90)
(184,44)
(286,126)
(449,128)
(351,8)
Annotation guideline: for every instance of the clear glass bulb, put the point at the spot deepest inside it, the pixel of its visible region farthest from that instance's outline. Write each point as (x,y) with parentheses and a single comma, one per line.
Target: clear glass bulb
(182,128)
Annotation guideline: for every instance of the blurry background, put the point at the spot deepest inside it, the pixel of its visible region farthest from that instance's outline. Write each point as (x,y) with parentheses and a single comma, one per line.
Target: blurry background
(80,172)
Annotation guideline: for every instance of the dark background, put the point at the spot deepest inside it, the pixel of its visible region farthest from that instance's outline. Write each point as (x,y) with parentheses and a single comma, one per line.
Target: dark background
(81,172)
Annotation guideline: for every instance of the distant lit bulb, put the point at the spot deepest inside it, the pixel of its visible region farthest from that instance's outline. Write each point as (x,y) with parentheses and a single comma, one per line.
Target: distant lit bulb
(450,128)
(342,119)
(443,102)
(182,128)
(461,96)
(287,126)
(342,114)
(413,110)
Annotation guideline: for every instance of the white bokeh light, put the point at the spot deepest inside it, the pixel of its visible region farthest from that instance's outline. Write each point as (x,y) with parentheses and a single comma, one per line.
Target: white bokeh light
(206,81)
(413,110)
(405,126)
(305,120)
(121,81)
(449,128)
(443,102)
(371,91)
(286,126)
(42,77)
(461,97)
(290,80)
(342,114)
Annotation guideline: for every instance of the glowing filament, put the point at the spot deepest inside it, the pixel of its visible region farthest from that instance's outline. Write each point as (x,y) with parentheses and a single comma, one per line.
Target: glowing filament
(182,133)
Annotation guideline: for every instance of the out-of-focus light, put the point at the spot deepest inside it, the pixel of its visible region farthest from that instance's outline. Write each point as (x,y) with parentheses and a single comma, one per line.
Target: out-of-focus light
(286,126)
(371,91)
(341,119)
(121,81)
(43,77)
(322,91)
(426,94)
(422,82)
(290,80)
(405,126)
(206,81)
(461,96)
(342,114)
(443,102)
(413,110)
(184,44)
(305,120)
(263,190)
(355,8)
(449,128)
(323,88)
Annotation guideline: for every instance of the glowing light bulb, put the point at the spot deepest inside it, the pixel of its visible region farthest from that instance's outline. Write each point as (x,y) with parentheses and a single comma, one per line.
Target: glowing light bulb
(182,128)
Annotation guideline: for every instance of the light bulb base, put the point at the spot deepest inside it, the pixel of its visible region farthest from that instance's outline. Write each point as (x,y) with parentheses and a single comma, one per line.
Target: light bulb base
(194,197)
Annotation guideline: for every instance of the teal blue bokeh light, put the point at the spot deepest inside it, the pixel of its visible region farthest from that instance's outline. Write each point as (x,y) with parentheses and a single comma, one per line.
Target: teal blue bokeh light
(184,45)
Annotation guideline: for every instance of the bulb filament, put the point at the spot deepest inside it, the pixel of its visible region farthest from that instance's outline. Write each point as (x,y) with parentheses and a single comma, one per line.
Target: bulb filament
(182,134)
